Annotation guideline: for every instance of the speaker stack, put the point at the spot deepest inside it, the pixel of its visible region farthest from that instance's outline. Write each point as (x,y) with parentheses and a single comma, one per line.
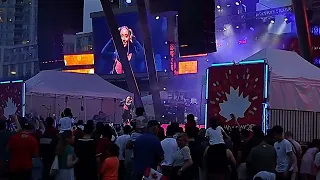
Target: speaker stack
(196,27)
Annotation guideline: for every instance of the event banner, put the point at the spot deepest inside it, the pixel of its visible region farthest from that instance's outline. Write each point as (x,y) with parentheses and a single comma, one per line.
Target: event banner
(11,95)
(235,93)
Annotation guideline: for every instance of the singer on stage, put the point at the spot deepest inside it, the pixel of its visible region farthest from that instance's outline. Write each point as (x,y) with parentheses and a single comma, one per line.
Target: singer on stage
(134,49)
(127,105)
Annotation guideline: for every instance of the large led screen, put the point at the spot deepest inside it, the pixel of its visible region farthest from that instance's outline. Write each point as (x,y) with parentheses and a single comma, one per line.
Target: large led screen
(106,56)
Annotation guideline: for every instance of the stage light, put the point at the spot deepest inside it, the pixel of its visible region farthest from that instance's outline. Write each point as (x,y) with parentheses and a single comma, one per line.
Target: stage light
(272,21)
(128,1)
(165,70)
(237,3)
(164,88)
(224,29)
(228,5)
(286,19)
(157,17)
(237,27)
(165,57)
(166,42)
(177,15)
(251,28)
(218,7)
(207,60)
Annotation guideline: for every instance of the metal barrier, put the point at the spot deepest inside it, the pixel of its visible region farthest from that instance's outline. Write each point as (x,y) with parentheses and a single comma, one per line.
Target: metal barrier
(303,124)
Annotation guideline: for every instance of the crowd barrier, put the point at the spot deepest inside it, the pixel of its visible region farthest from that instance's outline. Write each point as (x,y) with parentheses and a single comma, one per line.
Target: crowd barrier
(303,124)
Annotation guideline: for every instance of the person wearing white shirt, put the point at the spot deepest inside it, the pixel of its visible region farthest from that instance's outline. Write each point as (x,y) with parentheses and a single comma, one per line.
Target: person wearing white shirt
(169,146)
(121,142)
(215,133)
(285,155)
(264,175)
(297,151)
(66,122)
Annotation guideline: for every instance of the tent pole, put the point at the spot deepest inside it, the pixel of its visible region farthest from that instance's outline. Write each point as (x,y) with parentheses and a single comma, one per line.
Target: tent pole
(85,109)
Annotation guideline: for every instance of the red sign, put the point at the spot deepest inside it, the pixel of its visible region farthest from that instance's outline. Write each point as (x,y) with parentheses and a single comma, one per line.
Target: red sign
(11,99)
(237,90)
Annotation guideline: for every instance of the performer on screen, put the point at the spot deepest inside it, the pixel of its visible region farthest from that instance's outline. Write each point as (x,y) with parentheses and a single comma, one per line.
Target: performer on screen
(127,105)
(134,49)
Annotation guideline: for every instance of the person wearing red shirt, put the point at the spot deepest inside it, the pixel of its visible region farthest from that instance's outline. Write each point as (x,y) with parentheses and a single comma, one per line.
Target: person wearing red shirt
(22,148)
(110,166)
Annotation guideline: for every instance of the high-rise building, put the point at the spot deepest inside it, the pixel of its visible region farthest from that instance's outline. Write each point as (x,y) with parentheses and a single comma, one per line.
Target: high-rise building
(18,39)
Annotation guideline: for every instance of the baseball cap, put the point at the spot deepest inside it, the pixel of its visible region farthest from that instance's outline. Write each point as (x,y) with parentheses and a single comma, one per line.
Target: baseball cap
(153,123)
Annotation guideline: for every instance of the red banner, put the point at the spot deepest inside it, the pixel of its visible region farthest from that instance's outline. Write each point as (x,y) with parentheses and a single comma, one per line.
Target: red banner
(237,90)
(11,99)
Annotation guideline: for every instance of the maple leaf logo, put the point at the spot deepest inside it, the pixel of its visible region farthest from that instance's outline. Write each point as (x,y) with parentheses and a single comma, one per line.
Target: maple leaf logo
(235,104)
(10,108)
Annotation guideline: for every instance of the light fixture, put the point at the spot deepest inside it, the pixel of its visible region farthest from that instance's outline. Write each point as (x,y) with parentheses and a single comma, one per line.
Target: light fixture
(13,72)
(237,3)
(237,27)
(157,17)
(164,88)
(228,5)
(272,21)
(128,1)
(218,7)
(224,29)
(286,19)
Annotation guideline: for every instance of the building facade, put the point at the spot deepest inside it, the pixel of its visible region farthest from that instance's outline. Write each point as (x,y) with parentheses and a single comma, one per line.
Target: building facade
(18,39)
(78,44)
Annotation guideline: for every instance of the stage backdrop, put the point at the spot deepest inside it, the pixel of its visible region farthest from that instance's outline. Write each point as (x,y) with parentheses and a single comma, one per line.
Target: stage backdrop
(11,99)
(237,90)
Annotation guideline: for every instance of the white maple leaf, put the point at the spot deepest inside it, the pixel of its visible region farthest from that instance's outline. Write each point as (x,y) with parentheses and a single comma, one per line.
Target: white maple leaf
(235,104)
(10,108)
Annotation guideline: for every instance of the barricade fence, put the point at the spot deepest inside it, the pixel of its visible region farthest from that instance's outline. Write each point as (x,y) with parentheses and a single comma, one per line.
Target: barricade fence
(304,125)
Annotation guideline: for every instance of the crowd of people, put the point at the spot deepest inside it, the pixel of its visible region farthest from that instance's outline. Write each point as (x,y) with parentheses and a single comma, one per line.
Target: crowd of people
(36,149)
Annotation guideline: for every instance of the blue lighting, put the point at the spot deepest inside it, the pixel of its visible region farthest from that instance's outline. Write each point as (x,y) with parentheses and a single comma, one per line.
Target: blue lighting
(17,81)
(23,99)
(265,117)
(266,81)
(206,116)
(207,84)
(252,62)
(5,82)
(207,97)
(222,64)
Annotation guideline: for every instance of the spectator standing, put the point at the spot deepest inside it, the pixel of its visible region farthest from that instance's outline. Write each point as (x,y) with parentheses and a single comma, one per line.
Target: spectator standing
(4,155)
(22,148)
(308,169)
(285,155)
(261,158)
(110,166)
(182,160)
(297,151)
(121,142)
(66,157)
(147,151)
(85,150)
(191,122)
(66,121)
(170,147)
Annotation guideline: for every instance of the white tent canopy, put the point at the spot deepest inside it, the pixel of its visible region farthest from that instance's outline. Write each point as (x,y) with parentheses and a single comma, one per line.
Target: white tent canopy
(87,94)
(73,84)
(294,82)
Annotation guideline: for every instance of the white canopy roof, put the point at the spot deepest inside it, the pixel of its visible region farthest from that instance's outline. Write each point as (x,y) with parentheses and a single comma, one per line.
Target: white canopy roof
(295,83)
(287,64)
(73,84)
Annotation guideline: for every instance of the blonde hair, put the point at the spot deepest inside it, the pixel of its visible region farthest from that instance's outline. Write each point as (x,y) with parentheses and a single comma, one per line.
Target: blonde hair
(127,28)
